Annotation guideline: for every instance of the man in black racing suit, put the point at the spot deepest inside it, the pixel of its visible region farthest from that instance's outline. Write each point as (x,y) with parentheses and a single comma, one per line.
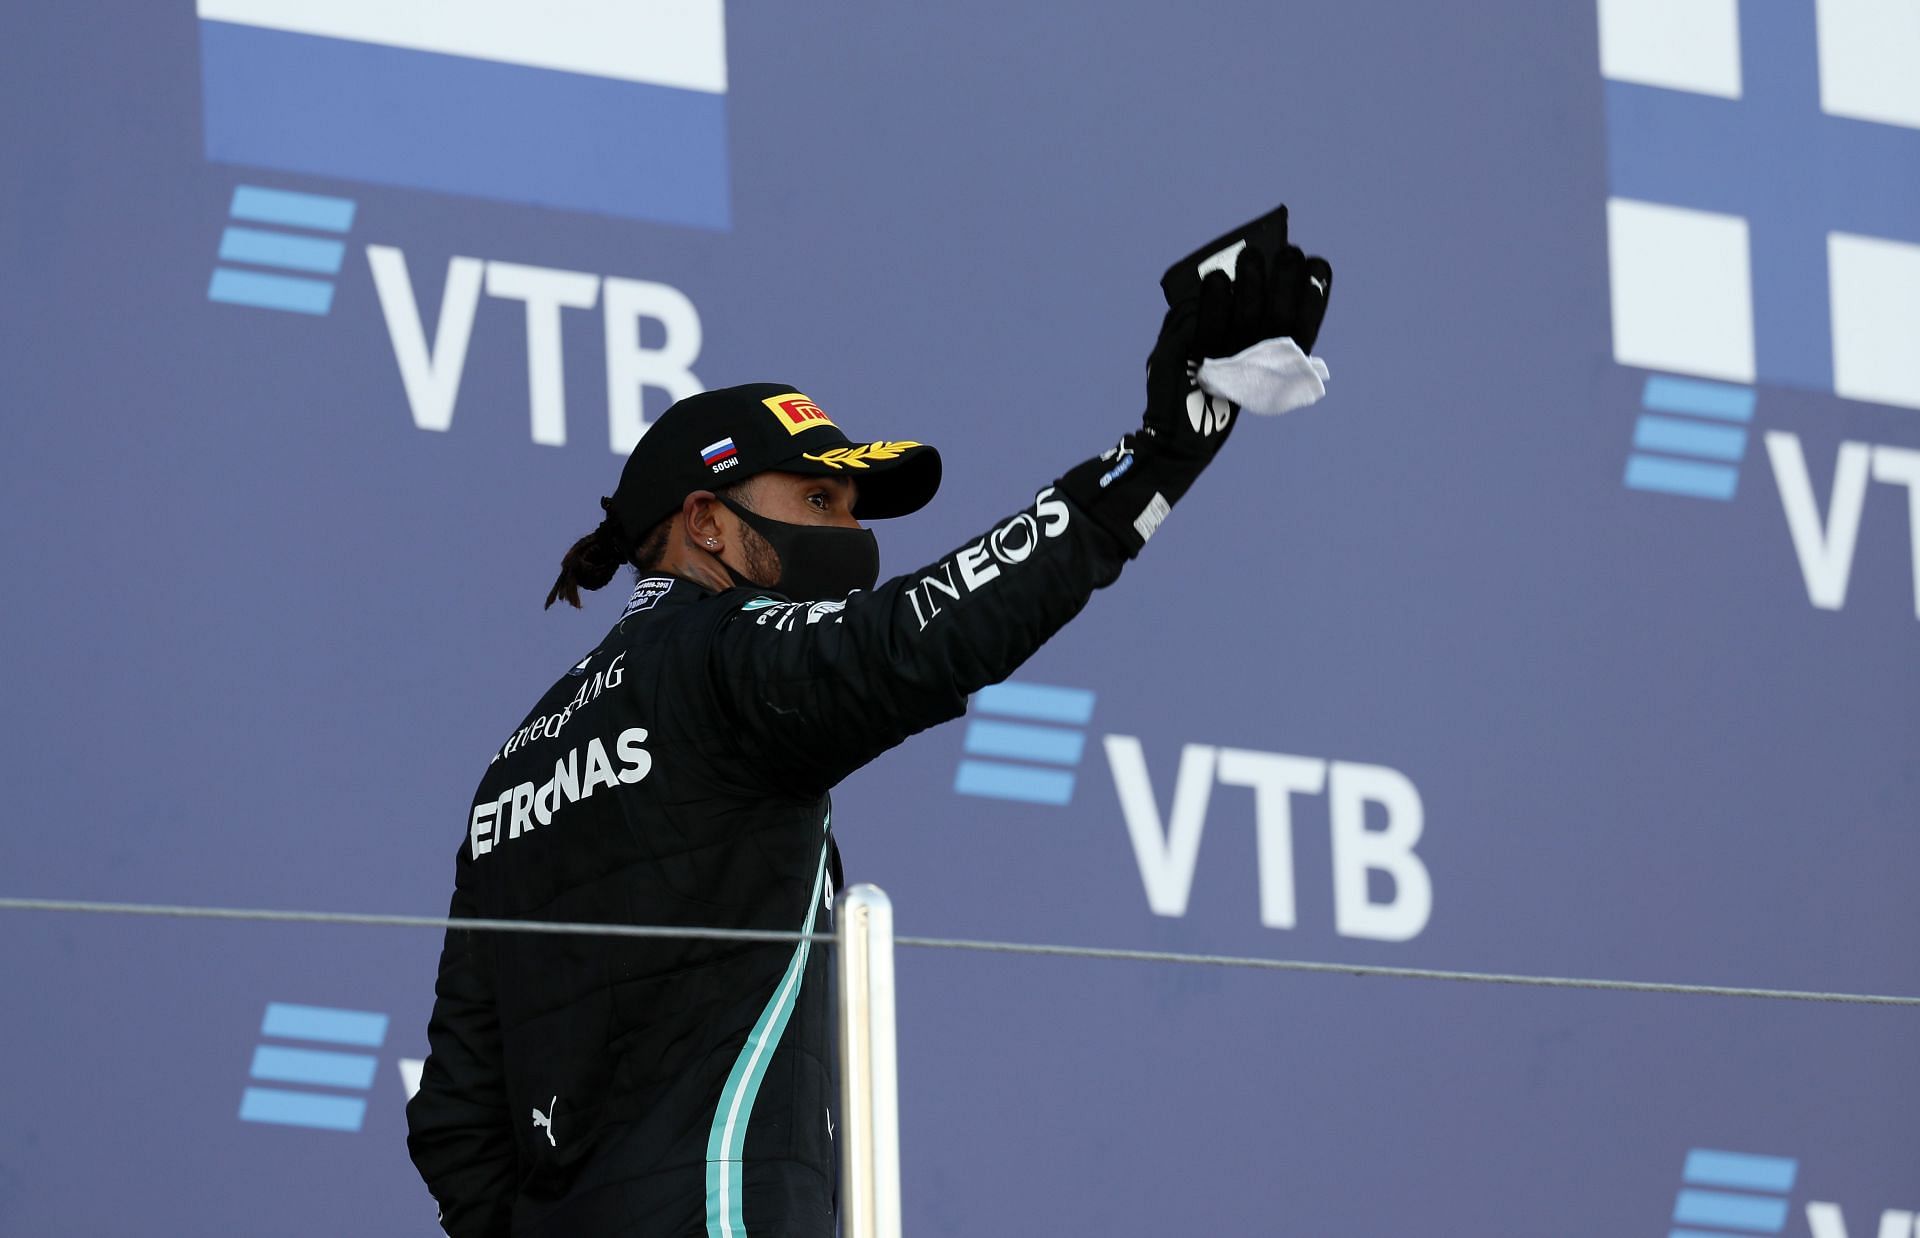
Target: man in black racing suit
(680,775)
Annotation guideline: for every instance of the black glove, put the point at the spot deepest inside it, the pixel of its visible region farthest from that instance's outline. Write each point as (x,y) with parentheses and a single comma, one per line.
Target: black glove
(1244,287)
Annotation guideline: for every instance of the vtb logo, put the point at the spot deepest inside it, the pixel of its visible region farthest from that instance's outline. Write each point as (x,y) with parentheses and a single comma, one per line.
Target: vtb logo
(1750,1194)
(503,102)
(1025,741)
(431,353)
(1762,163)
(335,1067)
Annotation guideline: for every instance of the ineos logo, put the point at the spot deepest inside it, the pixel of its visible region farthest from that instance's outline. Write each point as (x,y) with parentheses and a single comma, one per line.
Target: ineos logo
(1013,541)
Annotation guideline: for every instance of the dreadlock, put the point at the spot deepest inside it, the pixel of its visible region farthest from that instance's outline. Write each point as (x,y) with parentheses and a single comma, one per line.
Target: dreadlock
(592,561)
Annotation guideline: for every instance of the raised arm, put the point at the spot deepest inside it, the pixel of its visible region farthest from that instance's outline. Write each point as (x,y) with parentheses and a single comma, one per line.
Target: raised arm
(827,686)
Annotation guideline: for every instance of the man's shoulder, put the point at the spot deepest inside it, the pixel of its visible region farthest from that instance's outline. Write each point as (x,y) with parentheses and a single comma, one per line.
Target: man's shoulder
(661,597)
(664,612)
(782,614)
(658,595)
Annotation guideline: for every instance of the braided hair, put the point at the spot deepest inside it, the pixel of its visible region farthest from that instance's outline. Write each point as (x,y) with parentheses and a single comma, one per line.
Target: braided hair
(591,562)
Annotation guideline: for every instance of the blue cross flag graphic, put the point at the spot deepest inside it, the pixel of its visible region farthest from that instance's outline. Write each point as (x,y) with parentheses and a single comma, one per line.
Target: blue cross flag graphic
(1764,164)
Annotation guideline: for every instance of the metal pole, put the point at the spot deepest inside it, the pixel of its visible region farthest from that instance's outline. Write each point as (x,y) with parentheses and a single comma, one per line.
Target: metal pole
(869,1091)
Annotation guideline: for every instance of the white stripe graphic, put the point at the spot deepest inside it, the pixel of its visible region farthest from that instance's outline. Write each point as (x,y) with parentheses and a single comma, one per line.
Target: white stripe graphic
(1867,50)
(1691,45)
(679,43)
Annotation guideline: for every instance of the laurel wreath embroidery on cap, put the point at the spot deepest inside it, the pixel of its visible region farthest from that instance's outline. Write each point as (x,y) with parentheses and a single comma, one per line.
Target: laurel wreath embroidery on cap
(856,456)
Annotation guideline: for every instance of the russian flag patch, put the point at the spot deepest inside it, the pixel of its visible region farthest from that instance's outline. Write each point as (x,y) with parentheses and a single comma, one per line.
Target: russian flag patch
(716,453)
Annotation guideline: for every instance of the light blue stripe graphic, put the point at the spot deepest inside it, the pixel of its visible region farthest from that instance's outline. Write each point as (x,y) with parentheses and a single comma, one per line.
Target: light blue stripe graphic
(1013,782)
(727,1141)
(1743,1212)
(1708,1167)
(1702,399)
(282,249)
(340,1027)
(1697,1233)
(1038,701)
(280,292)
(1684,477)
(1018,739)
(1689,438)
(332,1113)
(295,210)
(321,1067)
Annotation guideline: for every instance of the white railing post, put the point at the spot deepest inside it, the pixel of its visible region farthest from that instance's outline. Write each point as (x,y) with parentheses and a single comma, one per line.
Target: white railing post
(869,1089)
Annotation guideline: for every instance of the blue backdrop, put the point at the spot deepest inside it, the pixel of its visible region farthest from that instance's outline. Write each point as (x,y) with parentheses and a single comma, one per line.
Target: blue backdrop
(1572,633)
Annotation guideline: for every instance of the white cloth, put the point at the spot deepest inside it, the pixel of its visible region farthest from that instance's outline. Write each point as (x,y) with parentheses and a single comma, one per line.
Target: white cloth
(1273,376)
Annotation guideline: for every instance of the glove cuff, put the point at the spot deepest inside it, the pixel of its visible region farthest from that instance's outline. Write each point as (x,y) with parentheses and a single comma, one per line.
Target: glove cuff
(1129,490)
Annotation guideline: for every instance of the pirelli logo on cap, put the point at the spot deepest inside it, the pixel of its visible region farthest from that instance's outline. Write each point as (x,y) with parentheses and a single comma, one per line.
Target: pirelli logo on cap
(796,412)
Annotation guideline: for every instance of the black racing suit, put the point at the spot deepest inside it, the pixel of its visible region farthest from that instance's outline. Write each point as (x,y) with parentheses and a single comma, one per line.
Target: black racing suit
(678,775)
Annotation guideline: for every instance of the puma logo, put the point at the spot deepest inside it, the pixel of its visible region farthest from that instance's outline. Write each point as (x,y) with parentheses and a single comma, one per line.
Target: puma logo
(546,1119)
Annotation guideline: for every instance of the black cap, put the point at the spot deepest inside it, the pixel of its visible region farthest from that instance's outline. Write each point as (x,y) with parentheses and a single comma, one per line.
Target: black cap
(723,436)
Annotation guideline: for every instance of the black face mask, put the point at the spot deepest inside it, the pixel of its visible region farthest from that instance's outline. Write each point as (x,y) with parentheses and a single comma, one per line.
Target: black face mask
(817,562)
